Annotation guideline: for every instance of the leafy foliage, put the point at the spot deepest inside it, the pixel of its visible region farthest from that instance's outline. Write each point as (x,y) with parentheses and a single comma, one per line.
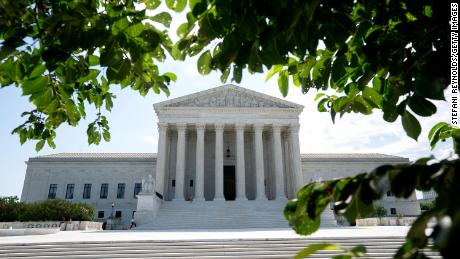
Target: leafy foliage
(354,197)
(13,210)
(356,251)
(10,208)
(426,205)
(373,54)
(66,55)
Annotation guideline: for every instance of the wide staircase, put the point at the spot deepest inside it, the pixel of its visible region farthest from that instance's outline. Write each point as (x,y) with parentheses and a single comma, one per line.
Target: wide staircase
(223,215)
(377,247)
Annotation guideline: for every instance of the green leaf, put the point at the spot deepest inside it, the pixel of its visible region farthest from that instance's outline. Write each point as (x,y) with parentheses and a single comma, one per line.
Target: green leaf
(275,69)
(183,30)
(319,95)
(311,249)
(421,106)
(163,18)
(176,5)
(436,128)
(34,85)
(106,135)
(321,107)
(373,96)
(225,74)
(37,71)
(283,82)
(171,76)
(93,60)
(390,113)
(204,63)
(152,4)
(237,74)
(411,125)
(39,145)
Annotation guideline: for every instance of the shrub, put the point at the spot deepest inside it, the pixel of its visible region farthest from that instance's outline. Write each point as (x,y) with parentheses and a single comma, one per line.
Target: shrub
(10,208)
(424,206)
(50,210)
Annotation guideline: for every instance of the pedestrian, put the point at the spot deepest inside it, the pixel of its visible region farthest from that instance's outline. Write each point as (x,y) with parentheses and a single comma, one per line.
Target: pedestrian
(133,223)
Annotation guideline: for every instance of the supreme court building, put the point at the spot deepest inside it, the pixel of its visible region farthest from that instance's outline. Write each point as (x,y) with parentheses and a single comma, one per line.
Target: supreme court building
(228,157)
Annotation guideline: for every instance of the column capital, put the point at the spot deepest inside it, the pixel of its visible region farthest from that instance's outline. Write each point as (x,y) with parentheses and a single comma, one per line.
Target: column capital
(258,127)
(240,126)
(181,126)
(219,126)
(200,126)
(276,127)
(294,127)
(162,126)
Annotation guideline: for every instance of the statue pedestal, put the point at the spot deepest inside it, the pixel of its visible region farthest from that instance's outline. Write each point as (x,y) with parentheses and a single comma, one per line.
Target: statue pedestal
(147,208)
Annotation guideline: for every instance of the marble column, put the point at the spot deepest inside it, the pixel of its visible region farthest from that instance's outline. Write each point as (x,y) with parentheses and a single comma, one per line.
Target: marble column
(199,188)
(295,157)
(180,161)
(240,172)
(260,174)
(278,161)
(219,163)
(161,158)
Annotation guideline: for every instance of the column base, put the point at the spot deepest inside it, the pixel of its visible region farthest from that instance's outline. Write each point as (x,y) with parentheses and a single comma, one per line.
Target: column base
(219,199)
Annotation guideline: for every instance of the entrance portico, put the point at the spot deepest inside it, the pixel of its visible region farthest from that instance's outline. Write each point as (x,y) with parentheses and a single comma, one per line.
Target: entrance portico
(228,143)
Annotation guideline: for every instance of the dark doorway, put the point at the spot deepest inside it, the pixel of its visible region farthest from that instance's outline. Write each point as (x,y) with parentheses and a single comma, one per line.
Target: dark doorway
(229,183)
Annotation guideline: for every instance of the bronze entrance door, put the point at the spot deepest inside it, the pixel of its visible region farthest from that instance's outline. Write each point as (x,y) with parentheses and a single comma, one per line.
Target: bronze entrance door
(229,183)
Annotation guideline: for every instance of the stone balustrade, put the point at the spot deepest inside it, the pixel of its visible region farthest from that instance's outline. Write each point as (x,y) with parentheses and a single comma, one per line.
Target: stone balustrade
(62,225)
(386,221)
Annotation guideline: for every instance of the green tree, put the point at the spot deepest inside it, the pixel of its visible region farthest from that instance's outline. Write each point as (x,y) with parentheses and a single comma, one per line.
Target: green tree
(10,208)
(359,56)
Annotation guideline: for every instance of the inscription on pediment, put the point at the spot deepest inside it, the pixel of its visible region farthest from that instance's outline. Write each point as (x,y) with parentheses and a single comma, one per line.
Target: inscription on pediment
(229,99)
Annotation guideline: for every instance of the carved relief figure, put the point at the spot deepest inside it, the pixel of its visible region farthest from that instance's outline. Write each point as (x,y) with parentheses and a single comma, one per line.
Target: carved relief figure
(148,184)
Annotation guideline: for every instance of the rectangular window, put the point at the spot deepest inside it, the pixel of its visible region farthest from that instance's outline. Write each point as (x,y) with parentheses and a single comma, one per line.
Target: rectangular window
(52,191)
(69,191)
(87,191)
(121,191)
(118,214)
(104,191)
(173,183)
(100,214)
(137,189)
(191,183)
(393,211)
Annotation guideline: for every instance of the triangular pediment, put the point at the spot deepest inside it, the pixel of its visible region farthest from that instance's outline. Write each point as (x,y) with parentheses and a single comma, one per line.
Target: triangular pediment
(228,96)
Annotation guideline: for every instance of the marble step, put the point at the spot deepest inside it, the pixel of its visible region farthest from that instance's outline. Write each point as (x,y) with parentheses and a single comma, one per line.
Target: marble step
(224,215)
(378,247)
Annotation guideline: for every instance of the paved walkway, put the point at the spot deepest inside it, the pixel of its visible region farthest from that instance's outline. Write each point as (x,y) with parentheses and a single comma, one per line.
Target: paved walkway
(132,235)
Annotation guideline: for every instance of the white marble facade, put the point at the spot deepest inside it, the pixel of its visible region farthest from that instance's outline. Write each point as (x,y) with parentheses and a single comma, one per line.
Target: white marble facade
(223,144)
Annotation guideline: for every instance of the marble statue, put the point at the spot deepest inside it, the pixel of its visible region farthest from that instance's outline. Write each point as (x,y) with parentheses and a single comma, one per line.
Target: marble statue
(148,184)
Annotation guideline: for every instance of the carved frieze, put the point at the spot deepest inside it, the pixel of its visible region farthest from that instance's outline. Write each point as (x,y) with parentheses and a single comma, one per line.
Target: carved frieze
(229,99)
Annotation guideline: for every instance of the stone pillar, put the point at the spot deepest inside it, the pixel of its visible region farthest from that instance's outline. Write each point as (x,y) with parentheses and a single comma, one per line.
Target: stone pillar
(161,158)
(278,161)
(199,189)
(260,173)
(295,157)
(219,163)
(180,162)
(240,172)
